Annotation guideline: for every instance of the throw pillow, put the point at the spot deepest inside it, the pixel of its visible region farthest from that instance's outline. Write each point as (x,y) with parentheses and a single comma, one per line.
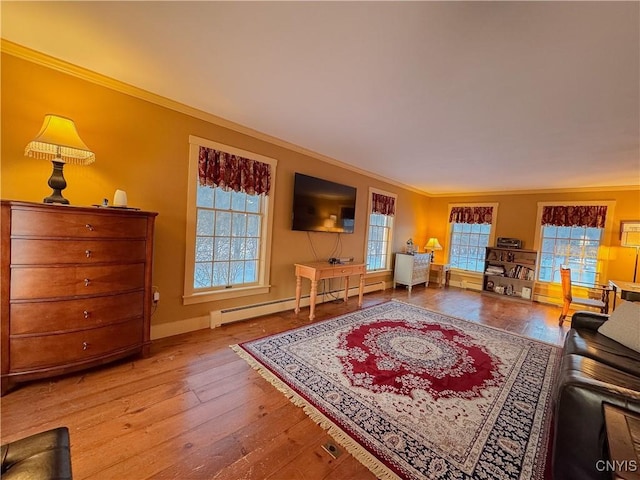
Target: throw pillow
(623,325)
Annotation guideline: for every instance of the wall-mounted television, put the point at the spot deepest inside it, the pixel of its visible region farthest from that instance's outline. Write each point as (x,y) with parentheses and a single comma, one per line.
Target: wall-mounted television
(323,206)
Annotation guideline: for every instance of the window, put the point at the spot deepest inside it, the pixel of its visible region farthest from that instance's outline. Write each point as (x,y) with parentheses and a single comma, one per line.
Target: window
(228,222)
(576,247)
(468,242)
(228,226)
(572,235)
(470,232)
(380,230)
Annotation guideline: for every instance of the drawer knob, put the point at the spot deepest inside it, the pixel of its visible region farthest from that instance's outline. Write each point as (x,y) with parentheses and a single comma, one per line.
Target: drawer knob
(85,346)
(86,282)
(86,313)
(87,253)
(89,227)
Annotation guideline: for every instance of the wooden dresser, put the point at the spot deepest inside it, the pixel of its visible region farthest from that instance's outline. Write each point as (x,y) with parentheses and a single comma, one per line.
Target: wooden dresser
(412,269)
(76,287)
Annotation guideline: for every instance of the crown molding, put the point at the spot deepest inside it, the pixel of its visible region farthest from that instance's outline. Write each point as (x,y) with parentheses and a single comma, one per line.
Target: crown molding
(45,60)
(617,188)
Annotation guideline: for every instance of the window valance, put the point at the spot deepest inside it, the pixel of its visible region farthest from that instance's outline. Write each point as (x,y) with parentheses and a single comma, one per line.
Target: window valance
(383,204)
(574,216)
(471,215)
(232,172)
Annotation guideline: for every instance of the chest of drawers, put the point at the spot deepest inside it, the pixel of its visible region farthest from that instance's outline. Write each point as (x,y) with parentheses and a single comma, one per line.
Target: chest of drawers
(411,270)
(76,288)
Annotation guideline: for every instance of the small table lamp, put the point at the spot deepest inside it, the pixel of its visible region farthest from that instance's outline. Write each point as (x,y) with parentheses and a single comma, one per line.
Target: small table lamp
(58,141)
(433,244)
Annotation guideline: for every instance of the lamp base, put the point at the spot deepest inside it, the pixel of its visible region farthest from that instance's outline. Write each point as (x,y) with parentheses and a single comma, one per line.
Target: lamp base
(57,183)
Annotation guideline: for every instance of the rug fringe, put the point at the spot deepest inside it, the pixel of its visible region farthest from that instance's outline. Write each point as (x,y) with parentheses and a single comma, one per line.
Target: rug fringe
(354,448)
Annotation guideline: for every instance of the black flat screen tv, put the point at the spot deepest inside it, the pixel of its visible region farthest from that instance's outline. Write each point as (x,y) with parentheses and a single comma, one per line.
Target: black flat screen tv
(323,206)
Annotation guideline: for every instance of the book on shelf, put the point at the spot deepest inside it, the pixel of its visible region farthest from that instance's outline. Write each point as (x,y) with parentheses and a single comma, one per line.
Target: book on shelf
(521,272)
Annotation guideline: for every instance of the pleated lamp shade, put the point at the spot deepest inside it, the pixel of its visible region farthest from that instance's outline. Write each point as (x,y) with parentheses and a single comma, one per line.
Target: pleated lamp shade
(58,140)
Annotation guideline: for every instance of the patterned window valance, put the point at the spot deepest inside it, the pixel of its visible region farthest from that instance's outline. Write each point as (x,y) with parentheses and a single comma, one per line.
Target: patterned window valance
(232,172)
(574,216)
(383,204)
(471,215)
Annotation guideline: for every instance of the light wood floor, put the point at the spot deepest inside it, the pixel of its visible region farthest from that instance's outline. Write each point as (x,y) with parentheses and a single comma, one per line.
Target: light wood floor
(194,410)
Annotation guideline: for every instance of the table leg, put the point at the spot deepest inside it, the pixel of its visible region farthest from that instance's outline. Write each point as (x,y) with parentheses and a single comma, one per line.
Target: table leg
(346,289)
(314,293)
(298,293)
(447,277)
(360,290)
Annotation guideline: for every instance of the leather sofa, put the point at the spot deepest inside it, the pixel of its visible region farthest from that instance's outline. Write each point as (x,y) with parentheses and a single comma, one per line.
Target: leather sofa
(594,369)
(43,456)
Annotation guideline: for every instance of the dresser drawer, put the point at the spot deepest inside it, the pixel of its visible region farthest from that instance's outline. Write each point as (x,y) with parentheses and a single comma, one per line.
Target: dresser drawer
(340,271)
(51,350)
(420,274)
(82,313)
(421,259)
(42,252)
(51,282)
(42,223)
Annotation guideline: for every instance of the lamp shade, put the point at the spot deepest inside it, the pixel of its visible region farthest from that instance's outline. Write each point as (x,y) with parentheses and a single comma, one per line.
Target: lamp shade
(58,140)
(433,244)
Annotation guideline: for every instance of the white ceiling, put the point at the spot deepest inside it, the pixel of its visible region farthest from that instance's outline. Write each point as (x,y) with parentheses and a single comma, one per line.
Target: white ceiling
(446,97)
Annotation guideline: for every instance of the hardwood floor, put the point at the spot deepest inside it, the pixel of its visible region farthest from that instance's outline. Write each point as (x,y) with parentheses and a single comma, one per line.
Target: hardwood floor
(195,410)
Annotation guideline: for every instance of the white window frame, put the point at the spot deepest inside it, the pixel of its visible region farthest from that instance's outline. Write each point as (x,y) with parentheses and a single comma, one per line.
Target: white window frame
(191,295)
(604,241)
(389,251)
(492,232)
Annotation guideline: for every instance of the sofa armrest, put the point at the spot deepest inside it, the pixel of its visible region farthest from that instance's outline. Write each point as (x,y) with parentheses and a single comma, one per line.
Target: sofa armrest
(583,385)
(588,320)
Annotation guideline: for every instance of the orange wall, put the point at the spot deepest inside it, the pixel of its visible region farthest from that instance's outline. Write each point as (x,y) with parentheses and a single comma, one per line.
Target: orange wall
(143,148)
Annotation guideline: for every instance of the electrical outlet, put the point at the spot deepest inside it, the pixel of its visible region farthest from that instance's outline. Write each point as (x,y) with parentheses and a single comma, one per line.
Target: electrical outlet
(156,296)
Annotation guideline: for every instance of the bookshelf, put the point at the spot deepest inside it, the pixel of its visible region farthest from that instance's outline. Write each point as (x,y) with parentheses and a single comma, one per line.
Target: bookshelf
(510,272)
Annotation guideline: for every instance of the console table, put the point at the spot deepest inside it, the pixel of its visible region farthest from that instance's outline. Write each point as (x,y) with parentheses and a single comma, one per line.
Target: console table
(321,270)
(629,291)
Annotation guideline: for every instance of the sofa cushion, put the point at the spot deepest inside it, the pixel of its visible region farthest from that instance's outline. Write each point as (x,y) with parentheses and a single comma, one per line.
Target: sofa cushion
(592,344)
(623,325)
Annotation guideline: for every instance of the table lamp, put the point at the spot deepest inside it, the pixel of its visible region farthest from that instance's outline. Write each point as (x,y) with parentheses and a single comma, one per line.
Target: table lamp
(433,244)
(58,141)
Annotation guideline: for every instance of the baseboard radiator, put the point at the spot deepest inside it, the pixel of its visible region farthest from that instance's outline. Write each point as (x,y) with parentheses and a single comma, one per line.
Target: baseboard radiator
(236,314)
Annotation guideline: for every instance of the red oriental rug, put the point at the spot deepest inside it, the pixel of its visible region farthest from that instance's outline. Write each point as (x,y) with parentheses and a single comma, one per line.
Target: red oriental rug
(415,394)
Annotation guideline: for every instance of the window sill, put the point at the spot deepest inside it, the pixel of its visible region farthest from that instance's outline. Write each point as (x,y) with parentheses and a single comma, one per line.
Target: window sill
(204,297)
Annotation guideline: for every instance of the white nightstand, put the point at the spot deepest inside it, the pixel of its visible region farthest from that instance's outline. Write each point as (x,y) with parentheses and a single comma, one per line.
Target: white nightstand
(411,269)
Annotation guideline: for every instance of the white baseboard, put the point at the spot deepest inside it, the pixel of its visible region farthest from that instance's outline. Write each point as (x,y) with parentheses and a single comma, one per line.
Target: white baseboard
(222,317)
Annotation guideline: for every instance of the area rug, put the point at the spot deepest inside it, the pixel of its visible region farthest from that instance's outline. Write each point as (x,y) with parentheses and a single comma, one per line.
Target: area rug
(415,394)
